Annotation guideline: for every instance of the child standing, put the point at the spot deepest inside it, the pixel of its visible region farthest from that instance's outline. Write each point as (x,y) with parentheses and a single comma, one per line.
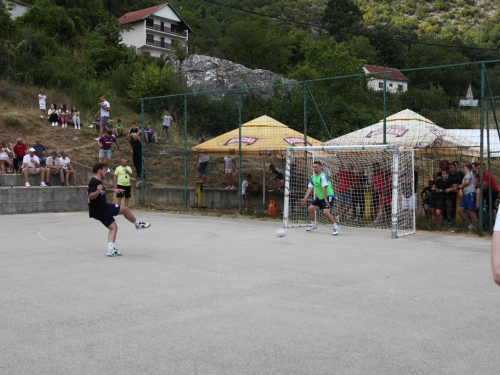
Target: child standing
(41,103)
(166,124)
(244,193)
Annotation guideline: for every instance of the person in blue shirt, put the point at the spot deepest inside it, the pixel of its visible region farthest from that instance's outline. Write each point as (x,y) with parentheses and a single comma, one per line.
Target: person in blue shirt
(277,175)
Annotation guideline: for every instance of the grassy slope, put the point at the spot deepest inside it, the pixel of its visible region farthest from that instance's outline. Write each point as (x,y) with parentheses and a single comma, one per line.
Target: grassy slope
(19,117)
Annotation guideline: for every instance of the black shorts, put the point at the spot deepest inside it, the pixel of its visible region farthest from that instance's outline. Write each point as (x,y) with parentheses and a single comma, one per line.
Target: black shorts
(438,202)
(108,217)
(126,194)
(202,168)
(322,204)
(486,196)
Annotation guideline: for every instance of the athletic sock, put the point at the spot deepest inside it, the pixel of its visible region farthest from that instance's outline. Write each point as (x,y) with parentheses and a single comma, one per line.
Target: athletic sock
(313,223)
(111,246)
(137,223)
(335,225)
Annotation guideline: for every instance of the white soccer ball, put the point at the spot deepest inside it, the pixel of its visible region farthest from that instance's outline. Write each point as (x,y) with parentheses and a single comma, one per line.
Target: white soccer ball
(280,232)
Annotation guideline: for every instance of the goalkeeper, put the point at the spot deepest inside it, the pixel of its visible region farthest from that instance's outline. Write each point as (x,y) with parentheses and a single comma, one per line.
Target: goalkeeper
(324,197)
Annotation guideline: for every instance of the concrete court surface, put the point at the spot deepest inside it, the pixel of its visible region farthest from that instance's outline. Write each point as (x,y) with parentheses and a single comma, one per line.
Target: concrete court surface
(203,295)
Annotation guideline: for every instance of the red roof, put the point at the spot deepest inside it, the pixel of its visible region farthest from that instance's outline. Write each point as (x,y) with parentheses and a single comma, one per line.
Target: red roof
(392,74)
(139,14)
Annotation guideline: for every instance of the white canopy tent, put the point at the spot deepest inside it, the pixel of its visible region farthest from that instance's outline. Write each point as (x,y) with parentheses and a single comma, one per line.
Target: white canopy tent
(474,135)
(409,129)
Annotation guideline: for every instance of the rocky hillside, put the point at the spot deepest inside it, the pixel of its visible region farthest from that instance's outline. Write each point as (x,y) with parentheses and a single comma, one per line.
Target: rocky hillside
(205,73)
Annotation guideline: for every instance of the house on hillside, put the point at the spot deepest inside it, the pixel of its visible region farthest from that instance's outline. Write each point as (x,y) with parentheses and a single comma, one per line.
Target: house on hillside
(156,30)
(16,8)
(395,80)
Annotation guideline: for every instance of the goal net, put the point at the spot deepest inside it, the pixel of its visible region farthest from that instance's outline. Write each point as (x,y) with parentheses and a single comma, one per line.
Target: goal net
(374,186)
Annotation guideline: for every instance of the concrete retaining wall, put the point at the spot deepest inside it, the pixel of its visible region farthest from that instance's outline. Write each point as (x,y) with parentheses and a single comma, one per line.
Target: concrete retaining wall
(21,200)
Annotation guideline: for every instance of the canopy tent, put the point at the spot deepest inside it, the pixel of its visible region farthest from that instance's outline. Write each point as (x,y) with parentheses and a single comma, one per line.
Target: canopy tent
(409,129)
(262,137)
(474,135)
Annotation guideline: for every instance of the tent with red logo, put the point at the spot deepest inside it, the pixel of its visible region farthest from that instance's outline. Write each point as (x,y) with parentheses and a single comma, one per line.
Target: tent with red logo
(409,129)
(263,137)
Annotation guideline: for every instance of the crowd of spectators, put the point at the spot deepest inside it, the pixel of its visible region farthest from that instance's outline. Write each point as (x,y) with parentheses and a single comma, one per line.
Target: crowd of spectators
(453,184)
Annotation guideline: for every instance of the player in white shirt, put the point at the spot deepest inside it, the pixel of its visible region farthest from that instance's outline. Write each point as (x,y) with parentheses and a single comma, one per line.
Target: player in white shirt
(31,165)
(42,103)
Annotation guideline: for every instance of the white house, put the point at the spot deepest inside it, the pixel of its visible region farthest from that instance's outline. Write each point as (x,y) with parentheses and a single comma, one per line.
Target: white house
(156,30)
(395,80)
(16,8)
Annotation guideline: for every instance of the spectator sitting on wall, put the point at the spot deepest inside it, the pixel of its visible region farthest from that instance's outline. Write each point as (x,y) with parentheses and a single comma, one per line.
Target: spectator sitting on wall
(53,167)
(31,165)
(4,156)
(20,150)
(67,167)
(40,150)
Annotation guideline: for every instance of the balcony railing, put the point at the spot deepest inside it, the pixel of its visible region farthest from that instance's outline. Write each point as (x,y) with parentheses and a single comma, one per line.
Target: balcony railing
(167,30)
(160,44)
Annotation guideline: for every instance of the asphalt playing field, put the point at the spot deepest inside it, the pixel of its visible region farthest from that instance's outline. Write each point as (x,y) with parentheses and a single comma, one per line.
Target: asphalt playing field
(202,295)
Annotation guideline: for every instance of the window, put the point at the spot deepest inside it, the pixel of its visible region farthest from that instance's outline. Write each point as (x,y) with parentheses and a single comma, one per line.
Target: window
(400,87)
(390,84)
(380,85)
(150,37)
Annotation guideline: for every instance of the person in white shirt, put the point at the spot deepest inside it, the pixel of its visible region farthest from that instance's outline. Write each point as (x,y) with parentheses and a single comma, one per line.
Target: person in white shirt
(495,252)
(42,103)
(31,165)
(105,108)
(4,156)
(67,168)
(166,124)
(244,193)
(53,167)
(229,164)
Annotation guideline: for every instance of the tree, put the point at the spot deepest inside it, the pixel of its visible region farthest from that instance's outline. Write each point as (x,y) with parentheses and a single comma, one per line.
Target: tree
(52,20)
(342,17)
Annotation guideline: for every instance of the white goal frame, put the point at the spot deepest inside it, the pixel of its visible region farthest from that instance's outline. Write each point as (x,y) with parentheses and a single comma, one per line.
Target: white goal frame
(395,173)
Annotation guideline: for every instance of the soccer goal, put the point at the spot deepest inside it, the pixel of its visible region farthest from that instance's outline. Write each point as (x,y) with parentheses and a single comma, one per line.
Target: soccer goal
(374,186)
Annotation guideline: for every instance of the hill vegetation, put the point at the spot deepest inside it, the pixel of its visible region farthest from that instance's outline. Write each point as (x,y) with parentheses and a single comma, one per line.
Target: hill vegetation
(75,48)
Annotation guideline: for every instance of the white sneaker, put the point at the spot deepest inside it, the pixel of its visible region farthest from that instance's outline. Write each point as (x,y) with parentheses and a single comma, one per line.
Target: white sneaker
(311,227)
(42,184)
(109,171)
(27,184)
(96,139)
(142,225)
(336,230)
(113,253)
(470,226)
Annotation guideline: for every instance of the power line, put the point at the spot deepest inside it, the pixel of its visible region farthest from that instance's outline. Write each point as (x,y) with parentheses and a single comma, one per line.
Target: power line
(405,41)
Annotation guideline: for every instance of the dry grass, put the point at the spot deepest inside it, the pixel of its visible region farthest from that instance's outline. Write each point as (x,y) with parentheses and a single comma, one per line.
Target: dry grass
(19,117)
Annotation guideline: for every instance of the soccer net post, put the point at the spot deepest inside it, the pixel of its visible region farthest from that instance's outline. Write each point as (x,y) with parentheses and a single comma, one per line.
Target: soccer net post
(374,186)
